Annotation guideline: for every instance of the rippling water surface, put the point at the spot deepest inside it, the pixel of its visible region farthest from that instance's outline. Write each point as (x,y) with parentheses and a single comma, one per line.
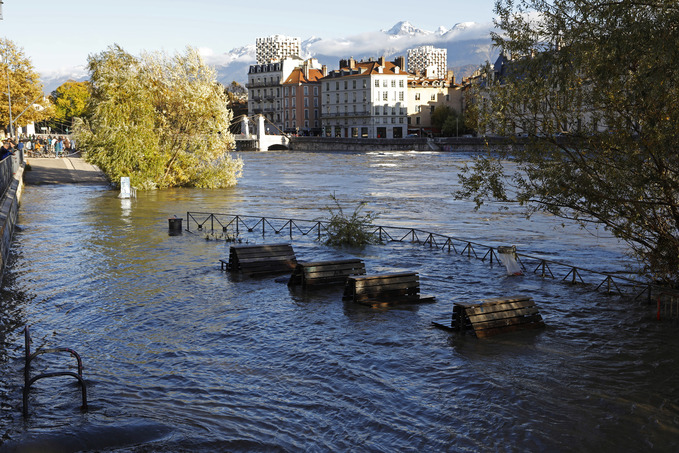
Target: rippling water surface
(180,356)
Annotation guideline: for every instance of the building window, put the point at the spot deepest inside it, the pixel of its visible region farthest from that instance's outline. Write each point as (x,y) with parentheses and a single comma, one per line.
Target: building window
(385,96)
(315,102)
(400,96)
(377,83)
(345,85)
(327,86)
(306,102)
(384,83)
(431,109)
(306,90)
(377,110)
(337,85)
(353,83)
(433,97)
(293,91)
(293,101)
(316,90)
(417,96)
(417,120)
(400,83)
(285,91)
(306,114)
(393,83)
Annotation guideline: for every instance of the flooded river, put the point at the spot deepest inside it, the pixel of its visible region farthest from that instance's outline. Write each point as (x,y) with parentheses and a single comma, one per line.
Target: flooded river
(179,356)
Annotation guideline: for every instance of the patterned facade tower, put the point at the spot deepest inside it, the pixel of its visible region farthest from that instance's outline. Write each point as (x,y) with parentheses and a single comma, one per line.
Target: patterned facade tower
(277,48)
(430,61)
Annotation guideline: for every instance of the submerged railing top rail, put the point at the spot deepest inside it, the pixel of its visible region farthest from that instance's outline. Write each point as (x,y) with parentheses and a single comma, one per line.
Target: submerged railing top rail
(231,226)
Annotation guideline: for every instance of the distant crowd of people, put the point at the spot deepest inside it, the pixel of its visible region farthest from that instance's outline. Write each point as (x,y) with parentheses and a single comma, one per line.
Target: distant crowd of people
(39,146)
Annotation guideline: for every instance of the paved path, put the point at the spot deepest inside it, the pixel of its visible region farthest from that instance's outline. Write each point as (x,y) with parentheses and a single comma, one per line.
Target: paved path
(65,170)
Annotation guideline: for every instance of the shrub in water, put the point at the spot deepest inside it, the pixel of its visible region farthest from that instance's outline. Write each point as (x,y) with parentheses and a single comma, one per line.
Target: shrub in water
(353,230)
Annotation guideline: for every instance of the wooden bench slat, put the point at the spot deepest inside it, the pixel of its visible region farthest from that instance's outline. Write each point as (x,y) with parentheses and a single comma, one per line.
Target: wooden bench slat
(503,314)
(507,321)
(512,328)
(385,289)
(493,316)
(325,272)
(261,259)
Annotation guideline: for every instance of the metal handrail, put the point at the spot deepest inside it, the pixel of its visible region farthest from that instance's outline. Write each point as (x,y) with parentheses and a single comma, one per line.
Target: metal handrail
(28,380)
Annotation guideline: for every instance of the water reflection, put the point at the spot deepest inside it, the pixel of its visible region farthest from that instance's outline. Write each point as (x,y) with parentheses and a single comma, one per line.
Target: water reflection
(181,356)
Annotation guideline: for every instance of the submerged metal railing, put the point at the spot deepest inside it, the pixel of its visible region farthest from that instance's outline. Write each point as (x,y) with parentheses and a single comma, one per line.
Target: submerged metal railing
(230,227)
(28,380)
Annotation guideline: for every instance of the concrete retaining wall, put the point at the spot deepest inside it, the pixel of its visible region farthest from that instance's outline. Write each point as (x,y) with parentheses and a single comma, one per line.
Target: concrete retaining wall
(395,144)
(9,210)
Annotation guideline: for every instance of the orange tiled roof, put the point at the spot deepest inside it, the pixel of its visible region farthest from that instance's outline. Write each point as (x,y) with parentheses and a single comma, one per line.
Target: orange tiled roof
(297,76)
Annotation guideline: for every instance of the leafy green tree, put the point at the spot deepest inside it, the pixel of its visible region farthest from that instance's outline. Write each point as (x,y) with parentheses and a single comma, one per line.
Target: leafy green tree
(163,121)
(25,90)
(448,121)
(70,101)
(604,73)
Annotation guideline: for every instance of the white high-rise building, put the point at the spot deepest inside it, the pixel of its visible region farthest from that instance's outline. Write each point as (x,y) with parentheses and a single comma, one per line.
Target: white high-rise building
(429,61)
(277,48)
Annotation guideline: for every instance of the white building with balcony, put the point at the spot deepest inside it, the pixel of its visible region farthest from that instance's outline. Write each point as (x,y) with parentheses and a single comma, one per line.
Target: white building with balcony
(366,99)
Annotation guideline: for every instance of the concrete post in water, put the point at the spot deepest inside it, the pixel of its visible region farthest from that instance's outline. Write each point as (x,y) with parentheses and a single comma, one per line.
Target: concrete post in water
(125,191)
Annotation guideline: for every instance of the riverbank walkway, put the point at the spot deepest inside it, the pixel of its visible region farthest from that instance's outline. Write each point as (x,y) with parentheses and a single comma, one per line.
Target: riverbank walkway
(63,170)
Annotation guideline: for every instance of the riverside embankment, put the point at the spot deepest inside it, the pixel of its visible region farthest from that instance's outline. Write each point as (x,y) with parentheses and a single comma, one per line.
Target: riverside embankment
(460,144)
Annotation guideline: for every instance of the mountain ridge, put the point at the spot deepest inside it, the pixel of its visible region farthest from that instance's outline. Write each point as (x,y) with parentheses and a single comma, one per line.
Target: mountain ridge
(468,44)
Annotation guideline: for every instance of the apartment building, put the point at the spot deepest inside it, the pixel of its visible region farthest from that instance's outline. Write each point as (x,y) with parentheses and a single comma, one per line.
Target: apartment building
(424,95)
(366,99)
(264,89)
(277,48)
(429,61)
(302,99)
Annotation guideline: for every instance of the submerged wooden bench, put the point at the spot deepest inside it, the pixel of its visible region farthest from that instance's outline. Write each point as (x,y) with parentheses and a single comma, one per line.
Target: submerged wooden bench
(325,272)
(490,317)
(260,259)
(385,290)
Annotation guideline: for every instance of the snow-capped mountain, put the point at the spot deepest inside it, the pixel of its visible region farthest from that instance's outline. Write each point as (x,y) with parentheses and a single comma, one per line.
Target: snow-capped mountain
(405,28)
(468,46)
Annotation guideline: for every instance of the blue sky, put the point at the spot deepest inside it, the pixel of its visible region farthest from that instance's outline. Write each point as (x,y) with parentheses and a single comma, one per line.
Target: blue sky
(60,34)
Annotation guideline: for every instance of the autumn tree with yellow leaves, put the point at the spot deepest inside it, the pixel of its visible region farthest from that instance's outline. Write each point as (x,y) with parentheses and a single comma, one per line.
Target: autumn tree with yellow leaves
(161,120)
(20,88)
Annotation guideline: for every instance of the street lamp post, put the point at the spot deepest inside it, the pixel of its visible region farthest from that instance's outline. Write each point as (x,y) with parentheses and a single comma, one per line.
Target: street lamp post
(9,99)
